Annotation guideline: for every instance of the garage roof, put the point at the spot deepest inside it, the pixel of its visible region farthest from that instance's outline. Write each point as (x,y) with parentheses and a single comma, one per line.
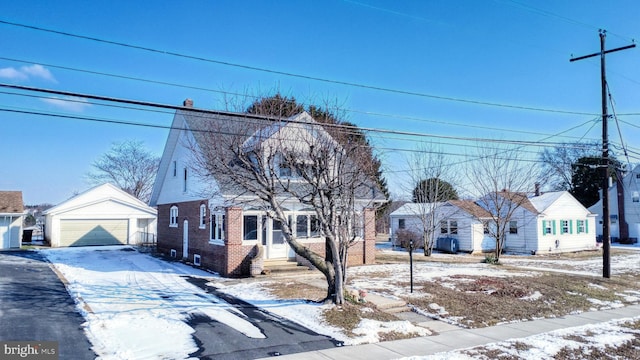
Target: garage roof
(11,202)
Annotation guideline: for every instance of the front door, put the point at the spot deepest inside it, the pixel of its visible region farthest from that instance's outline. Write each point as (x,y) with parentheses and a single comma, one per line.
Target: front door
(185,240)
(273,239)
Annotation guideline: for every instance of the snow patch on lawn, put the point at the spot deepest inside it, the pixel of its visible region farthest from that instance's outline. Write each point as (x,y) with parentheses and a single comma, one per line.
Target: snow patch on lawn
(581,339)
(533,297)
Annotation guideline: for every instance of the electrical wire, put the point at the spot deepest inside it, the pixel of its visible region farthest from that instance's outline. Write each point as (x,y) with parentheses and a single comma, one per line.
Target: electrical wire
(289,74)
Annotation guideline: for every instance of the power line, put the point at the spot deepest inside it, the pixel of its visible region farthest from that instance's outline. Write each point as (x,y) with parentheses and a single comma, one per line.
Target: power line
(378,114)
(289,74)
(547,13)
(216,112)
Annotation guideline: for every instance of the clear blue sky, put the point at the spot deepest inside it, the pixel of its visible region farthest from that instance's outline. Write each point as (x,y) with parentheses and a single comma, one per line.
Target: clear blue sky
(513,53)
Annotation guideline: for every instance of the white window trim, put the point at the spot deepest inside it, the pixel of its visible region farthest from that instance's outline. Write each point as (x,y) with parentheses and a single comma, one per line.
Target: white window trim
(173,220)
(203,216)
(196,260)
(214,229)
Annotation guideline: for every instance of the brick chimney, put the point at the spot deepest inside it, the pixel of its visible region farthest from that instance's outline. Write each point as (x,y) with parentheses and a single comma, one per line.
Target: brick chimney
(188,103)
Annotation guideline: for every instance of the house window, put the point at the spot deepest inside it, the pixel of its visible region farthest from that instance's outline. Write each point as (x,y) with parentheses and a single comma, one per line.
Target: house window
(443,227)
(285,171)
(184,183)
(564,226)
(513,227)
(401,224)
(196,260)
(175,168)
(635,197)
(173,216)
(547,227)
(250,223)
(485,227)
(453,227)
(580,226)
(637,176)
(217,227)
(203,216)
(314,226)
(302,226)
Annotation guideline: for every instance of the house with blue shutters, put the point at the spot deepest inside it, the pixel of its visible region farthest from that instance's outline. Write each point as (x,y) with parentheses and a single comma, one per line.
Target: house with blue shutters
(561,224)
(544,223)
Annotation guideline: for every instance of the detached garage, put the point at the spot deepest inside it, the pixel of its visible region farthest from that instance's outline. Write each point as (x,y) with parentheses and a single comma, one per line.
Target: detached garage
(11,216)
(104,215)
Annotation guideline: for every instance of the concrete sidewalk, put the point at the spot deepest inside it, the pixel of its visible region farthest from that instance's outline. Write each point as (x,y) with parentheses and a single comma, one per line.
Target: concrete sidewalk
(456,338)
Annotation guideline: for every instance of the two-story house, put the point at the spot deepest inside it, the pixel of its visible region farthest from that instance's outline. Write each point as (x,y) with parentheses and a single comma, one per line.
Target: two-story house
(211,221)
(624,208)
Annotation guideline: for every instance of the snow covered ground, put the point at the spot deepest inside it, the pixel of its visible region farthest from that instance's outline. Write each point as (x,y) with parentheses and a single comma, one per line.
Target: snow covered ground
(595,341)
(137,306)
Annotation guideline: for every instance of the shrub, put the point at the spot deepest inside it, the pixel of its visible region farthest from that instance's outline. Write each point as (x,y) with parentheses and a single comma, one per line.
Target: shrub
(404,236)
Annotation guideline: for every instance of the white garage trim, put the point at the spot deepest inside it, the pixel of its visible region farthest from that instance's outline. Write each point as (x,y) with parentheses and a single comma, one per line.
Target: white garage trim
(93,232)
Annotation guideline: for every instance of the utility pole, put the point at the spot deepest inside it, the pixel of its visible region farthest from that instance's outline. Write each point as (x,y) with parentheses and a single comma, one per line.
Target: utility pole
(606,235)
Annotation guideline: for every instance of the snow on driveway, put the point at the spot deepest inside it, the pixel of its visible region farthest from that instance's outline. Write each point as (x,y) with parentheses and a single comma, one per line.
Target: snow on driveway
(137,306)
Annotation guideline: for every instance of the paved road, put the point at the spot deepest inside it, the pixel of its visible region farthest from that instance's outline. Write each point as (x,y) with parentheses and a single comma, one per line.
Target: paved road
(35,306)
(283,337)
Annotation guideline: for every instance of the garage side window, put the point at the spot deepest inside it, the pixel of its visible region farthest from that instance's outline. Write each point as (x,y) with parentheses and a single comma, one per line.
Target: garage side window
(173,216)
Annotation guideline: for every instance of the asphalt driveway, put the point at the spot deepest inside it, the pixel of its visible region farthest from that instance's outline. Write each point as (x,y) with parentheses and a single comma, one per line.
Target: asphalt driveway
(35,306)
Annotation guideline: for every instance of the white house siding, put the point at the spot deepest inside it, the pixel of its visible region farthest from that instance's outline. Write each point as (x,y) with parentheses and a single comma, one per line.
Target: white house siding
(470,236)
(10,231)
(103,203)
(173,189)
(566,207)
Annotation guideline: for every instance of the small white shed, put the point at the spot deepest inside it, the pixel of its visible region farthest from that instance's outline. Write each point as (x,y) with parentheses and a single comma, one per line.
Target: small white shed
(11,216)
(103,215)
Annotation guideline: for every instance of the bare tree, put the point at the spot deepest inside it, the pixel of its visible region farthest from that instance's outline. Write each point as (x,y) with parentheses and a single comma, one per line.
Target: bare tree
(129,166)
(296,159)
(428,168)
(502,179)
(558,163)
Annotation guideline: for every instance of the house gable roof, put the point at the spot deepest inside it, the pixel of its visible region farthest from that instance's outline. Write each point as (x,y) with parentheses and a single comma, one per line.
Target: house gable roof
(543,201)
(409,209)
(254,129)
(11,202)
(470,207)
(546,200)
(98,194)
(519,198)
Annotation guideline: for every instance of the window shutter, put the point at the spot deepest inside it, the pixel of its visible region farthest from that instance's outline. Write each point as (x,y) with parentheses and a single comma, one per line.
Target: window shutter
(553,223)
(570,226)
(586,226)
(544,227)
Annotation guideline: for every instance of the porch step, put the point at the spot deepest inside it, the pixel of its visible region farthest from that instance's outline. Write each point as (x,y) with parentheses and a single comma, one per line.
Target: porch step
(283,267)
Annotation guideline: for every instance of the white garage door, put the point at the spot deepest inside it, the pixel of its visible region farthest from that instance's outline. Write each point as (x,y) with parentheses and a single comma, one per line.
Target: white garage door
(93,232)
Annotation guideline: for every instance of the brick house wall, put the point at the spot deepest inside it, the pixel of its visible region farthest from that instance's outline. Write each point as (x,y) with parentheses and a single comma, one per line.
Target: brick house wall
(172,237)
(233,258)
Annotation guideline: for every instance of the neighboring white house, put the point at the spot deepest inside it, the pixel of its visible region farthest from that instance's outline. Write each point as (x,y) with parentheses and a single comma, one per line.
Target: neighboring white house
(11,218)
(624,208)
(103,215)
(562,224)
(551,222)
(459,219)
